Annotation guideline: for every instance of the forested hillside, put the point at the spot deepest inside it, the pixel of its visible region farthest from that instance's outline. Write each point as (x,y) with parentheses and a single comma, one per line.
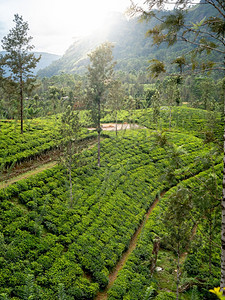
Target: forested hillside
(132,49)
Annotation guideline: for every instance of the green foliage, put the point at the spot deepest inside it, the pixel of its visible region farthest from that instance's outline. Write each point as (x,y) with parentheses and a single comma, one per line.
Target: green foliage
(61,292)
(195,121)
(156,67)
(165,296)
(70,132)
(50,249)
(18,59)
(40,136)
(195,293)
(150,293)
(100,75)
(137,265)
(100,80)
(192,265)
(29,288)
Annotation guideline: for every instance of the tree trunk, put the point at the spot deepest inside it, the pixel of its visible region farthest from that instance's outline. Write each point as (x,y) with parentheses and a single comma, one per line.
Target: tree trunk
(69,166)
(71,184)
(99,131)
(222,281)
(155,251)
(71,189)
(99,163)
(21,104)
(116,123)
(178,270)
(210,243)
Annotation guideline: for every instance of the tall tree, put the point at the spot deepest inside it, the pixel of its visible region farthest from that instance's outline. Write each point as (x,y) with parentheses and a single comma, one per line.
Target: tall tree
(207,35)
(155,105)
(100,79)
(70,131)
(18,59)
(116,98)
(177,228)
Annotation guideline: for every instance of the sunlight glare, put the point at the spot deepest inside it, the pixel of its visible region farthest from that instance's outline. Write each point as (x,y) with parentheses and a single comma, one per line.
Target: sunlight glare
(55,23)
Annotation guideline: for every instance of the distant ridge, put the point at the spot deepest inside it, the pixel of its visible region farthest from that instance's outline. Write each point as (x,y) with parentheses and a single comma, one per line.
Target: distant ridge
(45,61)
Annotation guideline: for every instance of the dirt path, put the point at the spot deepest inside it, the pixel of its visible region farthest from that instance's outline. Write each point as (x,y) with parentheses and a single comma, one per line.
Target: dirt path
(120,126)
(30,164)
(122,261)
(37,165)
(25,175)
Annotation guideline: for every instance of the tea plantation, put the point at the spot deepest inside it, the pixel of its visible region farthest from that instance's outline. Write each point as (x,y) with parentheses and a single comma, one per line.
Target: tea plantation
(52,248)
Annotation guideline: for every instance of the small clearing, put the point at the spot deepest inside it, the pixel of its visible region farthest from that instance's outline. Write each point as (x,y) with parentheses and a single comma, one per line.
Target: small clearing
(120,126)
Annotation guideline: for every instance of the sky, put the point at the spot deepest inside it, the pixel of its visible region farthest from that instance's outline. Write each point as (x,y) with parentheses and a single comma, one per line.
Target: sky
(54,24)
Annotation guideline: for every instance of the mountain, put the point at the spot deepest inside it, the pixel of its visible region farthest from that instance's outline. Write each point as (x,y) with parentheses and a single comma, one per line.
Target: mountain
(128,36)
(132,49)
(46,59)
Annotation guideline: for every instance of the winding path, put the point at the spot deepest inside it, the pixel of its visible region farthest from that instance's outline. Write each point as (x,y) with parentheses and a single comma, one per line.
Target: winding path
(112,276)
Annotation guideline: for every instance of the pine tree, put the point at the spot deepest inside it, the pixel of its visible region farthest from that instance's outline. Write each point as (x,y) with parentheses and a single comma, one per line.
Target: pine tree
(18,59)
(177,227)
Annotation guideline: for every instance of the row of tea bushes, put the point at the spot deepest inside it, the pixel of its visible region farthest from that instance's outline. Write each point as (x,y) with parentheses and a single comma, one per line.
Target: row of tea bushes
(40,136)
(43,200)
(62,242)
(135,279)
(200,122)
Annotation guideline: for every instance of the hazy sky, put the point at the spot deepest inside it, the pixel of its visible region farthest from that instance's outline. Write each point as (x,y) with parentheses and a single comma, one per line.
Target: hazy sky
(54,23)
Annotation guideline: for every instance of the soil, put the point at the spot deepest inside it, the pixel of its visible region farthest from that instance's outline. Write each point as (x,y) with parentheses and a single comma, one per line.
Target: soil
(29,165)
(25,174)
(123,126)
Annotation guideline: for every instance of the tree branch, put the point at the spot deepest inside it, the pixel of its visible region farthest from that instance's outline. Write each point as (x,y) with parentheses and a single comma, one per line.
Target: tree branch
(205,33)
(216,7)
(200,45)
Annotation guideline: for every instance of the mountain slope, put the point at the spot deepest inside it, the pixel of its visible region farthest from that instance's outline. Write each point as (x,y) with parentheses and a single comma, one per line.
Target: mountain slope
(132,49)
(46,60)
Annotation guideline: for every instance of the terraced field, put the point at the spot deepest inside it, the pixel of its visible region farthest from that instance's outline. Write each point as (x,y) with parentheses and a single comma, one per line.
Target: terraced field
(52,246)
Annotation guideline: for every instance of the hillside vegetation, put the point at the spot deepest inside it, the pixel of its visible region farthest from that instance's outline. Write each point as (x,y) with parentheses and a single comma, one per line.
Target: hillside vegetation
(53,247)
